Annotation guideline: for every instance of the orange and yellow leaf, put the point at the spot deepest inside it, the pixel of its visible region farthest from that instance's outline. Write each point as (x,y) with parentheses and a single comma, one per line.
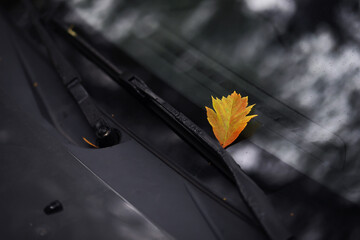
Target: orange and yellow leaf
(228,119)
(90,143)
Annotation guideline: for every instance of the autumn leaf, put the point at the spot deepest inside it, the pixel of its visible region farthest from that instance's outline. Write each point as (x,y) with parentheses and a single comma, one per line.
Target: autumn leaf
(90,143)
(229,118)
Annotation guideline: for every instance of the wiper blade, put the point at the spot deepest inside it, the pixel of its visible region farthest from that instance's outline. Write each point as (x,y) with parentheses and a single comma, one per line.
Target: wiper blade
(254,197)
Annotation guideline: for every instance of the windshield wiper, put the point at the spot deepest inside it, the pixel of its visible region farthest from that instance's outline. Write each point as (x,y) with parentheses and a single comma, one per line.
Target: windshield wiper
(254,197)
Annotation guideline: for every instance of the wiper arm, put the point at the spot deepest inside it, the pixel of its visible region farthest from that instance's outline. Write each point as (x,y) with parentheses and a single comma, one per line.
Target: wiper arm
(106,135)
(254,197)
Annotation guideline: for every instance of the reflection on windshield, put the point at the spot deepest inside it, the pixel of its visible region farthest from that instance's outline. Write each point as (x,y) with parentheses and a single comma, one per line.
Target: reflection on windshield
(298,60)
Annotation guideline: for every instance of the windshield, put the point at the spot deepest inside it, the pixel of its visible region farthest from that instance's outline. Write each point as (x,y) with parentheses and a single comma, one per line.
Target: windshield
(298,61)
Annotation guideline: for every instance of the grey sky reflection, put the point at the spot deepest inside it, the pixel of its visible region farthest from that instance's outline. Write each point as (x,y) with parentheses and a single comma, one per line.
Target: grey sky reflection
(267,5)
(326,74)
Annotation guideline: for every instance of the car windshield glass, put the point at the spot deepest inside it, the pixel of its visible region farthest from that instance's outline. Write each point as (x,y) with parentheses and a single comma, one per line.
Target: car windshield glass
(298,61)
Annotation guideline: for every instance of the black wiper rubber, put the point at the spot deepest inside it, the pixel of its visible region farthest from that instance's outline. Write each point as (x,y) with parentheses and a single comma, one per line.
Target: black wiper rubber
(254,197)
